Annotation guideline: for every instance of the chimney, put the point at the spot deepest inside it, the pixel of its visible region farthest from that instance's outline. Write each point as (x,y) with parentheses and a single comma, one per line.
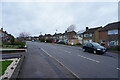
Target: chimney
(86,28)
(66,31)
(1,29)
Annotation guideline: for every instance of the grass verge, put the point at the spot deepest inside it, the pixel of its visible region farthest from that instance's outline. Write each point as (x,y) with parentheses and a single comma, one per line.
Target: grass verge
(4,65)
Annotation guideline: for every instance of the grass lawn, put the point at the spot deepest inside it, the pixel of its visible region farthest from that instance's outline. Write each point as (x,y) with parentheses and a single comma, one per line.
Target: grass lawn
(4,65)
(10,46)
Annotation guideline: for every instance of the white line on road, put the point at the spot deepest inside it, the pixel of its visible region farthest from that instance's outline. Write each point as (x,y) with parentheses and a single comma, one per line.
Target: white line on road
(59,62)
(118,68)
(89,59)
(67,51)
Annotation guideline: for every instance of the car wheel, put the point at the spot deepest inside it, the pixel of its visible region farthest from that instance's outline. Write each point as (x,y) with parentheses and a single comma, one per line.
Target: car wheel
(83,50)
(94,52)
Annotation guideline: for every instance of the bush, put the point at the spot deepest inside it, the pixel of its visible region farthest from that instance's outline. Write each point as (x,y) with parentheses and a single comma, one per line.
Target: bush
(49,40)
(20,44)
(12,40)
(79,44)
(42,40)
(117,48)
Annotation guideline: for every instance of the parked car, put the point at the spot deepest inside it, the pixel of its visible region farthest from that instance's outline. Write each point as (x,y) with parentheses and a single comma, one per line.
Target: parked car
(94,48)
(32,40)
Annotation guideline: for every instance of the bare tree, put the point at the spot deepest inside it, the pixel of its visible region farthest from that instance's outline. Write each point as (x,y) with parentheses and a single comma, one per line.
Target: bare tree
(71,28)
(24,34)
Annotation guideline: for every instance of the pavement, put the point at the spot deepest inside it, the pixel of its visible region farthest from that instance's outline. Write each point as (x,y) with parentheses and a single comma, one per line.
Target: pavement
(83,64)
(9,71)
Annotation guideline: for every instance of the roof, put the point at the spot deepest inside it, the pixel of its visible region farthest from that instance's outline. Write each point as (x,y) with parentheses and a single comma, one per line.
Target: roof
(92,30)
(80,32)
(68,33)
(47,34)
(110,26)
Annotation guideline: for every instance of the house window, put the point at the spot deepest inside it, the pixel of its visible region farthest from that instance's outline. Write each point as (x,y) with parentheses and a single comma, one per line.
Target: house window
(85,35)
(0,34)
(85,41)
(90,40)
(71,41)
(102,41)
(80,41)
(115,31)
(112,43)
(80,35)
(90,34)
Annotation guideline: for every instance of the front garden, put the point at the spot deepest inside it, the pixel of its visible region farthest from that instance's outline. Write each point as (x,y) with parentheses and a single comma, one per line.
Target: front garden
(15,45)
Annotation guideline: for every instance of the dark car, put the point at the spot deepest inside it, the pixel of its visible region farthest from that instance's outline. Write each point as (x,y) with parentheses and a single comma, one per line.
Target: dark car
(94,48)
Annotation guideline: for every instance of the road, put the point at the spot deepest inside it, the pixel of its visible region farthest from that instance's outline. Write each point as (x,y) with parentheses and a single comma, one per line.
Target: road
(83,64)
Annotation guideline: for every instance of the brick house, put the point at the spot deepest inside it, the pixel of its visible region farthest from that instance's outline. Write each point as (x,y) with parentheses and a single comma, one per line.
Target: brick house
(110,34)
(69,37)
(47,36)
(57,37)
(91,35)
(79,36)
(73,41)
(5,37)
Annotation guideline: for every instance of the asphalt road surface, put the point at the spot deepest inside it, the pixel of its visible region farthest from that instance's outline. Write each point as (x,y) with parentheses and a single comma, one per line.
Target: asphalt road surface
(83,64)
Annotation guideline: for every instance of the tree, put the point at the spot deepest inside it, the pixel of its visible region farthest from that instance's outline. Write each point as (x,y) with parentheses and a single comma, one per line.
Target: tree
(24,34)
(12,40)
(71,28)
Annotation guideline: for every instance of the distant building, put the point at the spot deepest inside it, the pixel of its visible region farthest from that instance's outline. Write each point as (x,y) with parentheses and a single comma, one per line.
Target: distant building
(91,35)
(110,34)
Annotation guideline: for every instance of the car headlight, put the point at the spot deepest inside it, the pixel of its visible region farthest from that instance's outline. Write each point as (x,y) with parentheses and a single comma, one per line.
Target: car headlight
(98,49)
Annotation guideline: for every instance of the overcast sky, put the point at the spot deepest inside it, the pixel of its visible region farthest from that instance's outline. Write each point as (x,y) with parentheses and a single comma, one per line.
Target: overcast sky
(46,17)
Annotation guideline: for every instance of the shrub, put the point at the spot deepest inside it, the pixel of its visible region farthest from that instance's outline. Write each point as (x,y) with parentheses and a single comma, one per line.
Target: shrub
(49,40)
(20,44)
(12,40)
(117,48)
(79,44)
(42,40)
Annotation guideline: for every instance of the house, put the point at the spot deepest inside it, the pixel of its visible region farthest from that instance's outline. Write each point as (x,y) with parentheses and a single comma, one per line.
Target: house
(91,35)
(79,35)
(35,38)
(5,37)
(73,41)
(57,37)
(69,37)
(110,34)
(47,37)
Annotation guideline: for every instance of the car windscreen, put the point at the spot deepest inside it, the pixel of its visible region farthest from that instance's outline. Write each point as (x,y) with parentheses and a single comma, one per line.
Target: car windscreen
(96,44)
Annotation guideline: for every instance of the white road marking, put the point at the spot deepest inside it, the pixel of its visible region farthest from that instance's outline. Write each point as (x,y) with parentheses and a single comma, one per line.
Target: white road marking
(54,47)
(67,51)
(118,68)
(89,59)
(60,63)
